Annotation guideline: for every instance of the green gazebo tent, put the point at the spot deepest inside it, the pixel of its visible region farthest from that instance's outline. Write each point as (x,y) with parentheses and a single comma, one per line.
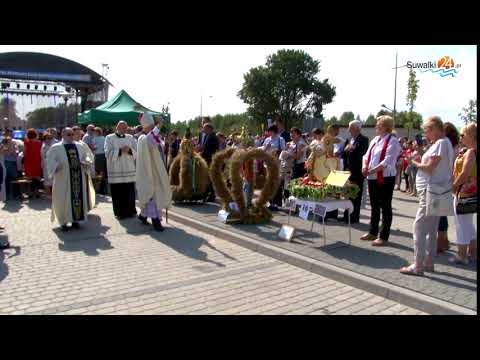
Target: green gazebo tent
(121,107)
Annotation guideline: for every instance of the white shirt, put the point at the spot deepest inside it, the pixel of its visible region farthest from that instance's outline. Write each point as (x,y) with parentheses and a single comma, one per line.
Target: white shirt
(442,174)
(277,142)
(390,160)
(338,148)
(120,167)
(89,139)
(99,142)
(296,147)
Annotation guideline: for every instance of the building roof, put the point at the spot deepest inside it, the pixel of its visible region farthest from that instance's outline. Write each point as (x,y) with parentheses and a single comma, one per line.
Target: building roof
(45,67)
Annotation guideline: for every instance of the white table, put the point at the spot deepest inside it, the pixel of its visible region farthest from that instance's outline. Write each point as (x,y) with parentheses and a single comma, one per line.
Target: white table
(321,208)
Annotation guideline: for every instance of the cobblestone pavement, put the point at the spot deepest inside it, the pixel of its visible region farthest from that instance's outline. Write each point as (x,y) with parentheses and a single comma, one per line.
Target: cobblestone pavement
(455,284)
(125,268)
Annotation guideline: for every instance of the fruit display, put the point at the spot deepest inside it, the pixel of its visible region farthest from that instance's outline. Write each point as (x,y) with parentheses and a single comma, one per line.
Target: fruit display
(314,190)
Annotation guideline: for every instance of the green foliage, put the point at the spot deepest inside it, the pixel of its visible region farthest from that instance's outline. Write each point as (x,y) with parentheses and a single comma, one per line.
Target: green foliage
(407,119)
(319,193)
(346,117)
(286,86)
(384,112)
(227,124)
(469,112)
(410,120)
(371,120)
(8,109)
(52,116)
(332,120)
(412,89)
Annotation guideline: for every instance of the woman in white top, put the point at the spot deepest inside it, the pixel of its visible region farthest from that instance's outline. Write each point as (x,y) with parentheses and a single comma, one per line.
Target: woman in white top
(298,153)
(379,167)
(48,141)
(435,167)
(274,144)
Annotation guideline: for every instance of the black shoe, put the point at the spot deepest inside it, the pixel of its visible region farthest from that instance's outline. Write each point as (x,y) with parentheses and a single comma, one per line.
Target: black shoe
(65,228)
(157,225)
(143,219)
(5,246)
(76,225)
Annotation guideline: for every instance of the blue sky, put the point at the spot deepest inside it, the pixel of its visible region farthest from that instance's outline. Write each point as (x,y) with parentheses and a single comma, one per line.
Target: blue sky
(363,75)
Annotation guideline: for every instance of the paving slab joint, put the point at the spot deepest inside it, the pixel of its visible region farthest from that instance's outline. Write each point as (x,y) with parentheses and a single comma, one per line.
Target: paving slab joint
(389,291)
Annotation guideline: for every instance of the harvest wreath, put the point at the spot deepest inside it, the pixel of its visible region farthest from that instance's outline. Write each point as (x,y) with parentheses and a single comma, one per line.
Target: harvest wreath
(256,213)
(189,178)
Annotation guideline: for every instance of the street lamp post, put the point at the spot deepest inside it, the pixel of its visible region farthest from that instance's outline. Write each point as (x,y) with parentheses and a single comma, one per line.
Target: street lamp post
(394,111)
(201,105)
(395,92)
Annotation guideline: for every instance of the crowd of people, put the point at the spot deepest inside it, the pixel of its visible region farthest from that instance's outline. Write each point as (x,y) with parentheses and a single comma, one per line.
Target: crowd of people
(131,163)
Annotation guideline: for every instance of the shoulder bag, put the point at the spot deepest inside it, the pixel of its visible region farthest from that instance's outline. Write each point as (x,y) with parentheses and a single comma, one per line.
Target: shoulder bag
(439,200)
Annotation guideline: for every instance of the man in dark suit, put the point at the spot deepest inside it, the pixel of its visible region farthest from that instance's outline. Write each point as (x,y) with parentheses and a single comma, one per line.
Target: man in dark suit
(281,130)
(208,148)
(201,135)
(210,143)
(355,148)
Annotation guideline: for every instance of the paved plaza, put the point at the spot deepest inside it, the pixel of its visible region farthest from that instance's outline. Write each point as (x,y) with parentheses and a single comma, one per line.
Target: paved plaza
(126,268)
(451,283)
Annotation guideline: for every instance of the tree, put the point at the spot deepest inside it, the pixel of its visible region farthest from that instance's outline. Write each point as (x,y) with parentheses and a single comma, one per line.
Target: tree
(358,118)
(287,87)
(52,116)
(469,112)
(8,110)
(346,117)
(371,120)
(384,112)
(332,120)
(413,87)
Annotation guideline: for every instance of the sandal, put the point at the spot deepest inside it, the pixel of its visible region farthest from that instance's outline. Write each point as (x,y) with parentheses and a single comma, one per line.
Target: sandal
(379,242)
(411,270)
(458,260)
(428,268)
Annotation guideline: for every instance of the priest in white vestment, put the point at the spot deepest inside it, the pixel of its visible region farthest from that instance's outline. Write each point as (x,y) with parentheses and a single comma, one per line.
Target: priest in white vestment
(153,184)
(73,195)
(78,138)
(121,152)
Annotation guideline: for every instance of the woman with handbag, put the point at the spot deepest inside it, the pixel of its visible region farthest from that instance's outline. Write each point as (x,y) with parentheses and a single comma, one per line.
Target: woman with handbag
(433,181)
(451,133)
(465,190)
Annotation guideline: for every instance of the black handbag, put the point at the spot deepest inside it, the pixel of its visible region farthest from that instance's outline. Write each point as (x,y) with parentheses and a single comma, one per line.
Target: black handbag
(466,205)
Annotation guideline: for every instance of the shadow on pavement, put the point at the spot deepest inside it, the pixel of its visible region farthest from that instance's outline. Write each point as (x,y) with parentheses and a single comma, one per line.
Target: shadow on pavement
(187,244)
(455,284)
(88,239)
(3,266)
(39,204)
(134,227)
(12,206)
(412,201)
(357,255)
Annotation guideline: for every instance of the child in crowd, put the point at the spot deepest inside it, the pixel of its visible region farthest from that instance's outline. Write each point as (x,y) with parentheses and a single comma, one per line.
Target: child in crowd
(286,168)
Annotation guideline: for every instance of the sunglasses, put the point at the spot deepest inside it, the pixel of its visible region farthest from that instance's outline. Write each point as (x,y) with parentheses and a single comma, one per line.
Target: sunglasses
(68,134)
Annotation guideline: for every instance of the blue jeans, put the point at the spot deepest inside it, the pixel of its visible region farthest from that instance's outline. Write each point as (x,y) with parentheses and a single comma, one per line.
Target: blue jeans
(11,190)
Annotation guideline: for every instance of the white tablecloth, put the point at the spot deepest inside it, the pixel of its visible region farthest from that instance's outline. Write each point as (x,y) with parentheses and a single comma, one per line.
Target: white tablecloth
(324,207)
(330,205)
